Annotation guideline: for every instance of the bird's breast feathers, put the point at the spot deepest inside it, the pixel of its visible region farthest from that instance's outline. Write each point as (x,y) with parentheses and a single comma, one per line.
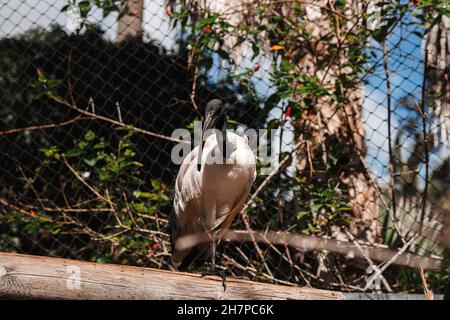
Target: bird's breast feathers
(238,172)
(238,151)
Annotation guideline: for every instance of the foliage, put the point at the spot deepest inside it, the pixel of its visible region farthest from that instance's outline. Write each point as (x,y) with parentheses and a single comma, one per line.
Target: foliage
(120,230)
(313,200)
(149,84)
(84,7)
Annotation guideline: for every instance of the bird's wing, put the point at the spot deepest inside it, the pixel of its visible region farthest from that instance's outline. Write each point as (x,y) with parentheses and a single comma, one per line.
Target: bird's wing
(185,222)
(187,185)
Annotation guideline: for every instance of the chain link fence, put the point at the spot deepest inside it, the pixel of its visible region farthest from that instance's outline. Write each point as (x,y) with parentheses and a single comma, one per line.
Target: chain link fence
(86,146)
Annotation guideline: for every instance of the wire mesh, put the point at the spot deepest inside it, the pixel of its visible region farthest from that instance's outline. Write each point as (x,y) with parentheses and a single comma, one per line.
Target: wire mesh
(86,141)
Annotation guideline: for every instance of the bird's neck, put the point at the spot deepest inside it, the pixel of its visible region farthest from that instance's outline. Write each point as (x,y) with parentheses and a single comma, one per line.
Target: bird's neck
(223,141)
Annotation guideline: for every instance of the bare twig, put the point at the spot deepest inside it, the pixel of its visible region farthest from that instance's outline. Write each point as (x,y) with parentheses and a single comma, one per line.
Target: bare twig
(194,92)
(394,257)
(79,178)
(77,210)
(191,57)
(257,3)
(306,243)
(426,291)
(422,110)
(119,113)
(367,258)
(69,81)
(389,125)
(115,122)
(41,127)
(7,204)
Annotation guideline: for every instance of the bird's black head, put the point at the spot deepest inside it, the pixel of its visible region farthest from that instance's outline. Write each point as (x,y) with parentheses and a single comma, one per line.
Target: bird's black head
(215,115)
(215,106)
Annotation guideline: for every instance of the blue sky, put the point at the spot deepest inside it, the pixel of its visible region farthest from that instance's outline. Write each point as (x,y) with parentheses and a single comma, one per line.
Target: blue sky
(405,61)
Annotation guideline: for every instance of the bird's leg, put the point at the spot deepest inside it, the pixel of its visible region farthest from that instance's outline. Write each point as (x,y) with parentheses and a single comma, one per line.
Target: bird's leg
(213,256)
(213,271)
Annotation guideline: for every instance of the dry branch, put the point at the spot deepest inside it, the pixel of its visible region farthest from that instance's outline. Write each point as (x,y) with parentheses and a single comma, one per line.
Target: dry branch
(350,250)
(96,116)
(311,243)
(41,127)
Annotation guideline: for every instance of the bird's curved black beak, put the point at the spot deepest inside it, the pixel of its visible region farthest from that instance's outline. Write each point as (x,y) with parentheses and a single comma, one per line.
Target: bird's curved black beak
(210,119)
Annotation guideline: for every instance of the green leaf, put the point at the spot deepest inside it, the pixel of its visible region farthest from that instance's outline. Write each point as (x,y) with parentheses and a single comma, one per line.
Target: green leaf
(315,206)
(255,49)
(155,184)
(273,124)
(82,145)
(148,195)
(129,153)
(67,6)
(52,83)
(90,162)
(102,260)
(73,153)
(301,214)
(443,11)
(381,33)
(223,54)
(100,145)
(84,5)
(89,136)
(272,100)
(340,4)
(104,176)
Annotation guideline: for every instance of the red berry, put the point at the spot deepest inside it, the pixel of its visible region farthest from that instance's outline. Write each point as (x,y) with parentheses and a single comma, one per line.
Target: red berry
(288,111)
(257,67)
(38,71)
(207,29)
(32,213)
(155,246)
(168,11)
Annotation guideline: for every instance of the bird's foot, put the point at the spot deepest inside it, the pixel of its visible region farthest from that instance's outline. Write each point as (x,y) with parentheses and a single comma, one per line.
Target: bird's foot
(219,274)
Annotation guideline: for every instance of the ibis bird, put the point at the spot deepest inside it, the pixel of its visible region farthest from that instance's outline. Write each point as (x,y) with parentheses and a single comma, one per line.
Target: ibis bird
(212,185)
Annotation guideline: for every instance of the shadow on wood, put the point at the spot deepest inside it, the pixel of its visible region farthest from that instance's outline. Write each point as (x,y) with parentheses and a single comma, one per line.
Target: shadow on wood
(36,277)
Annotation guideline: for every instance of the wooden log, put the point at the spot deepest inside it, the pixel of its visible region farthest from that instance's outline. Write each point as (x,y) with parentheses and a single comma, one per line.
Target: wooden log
(37,277)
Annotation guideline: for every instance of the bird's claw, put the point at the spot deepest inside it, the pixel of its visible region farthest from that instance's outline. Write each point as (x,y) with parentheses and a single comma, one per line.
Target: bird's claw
(219,274)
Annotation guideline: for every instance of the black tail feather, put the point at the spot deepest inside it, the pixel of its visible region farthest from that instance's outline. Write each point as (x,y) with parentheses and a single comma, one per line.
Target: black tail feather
(172,228)
(197,256)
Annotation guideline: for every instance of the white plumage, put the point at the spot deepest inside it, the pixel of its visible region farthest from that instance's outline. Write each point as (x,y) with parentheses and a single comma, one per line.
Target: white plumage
(207,201)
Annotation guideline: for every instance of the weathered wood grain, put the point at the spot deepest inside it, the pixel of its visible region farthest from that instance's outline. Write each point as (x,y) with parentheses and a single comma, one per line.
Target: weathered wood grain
(36,277)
